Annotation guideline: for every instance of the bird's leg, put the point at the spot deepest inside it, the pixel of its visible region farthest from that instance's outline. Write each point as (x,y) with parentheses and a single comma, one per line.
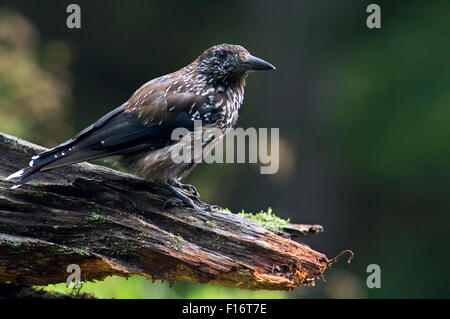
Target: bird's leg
(183,198)
(190,188)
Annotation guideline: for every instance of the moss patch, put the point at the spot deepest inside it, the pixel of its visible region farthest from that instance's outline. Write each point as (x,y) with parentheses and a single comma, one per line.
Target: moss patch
(172,246)
(268,220)
(177,238)
(96,218)
(10,243)
(210,223)
(64,250)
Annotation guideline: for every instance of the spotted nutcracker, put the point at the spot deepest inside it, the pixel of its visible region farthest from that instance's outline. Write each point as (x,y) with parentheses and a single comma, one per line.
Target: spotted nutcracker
(210,89)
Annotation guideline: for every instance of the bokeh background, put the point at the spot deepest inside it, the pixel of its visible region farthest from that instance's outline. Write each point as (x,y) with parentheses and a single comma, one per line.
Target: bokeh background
(363,115)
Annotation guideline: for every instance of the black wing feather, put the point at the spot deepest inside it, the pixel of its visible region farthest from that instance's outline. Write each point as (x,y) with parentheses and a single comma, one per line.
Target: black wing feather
(123,134)
(118,132)
(103,120)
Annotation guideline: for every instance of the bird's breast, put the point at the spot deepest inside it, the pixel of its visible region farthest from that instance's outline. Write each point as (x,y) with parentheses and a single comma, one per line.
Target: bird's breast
(228,106)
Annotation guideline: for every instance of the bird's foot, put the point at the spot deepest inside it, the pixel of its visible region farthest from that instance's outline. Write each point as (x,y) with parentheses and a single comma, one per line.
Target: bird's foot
(190,188)
(181,198)
(210,208)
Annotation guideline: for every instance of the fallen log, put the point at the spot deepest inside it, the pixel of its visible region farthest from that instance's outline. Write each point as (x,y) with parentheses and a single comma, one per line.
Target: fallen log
(111,223)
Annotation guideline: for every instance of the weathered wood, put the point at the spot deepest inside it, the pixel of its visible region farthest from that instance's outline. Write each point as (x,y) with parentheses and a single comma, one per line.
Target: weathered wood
(111,223)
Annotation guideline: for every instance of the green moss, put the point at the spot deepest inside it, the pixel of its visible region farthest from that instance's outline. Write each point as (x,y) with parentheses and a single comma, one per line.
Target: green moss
(96,218)
(119,246)
(142,235)
(210,223)
(84,251)
(177,238)
(172,246)
(190,218)
(267,220)
(11,243)
(64,250)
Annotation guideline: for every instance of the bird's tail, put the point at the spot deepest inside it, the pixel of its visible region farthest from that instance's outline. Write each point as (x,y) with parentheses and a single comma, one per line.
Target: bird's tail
(33,169)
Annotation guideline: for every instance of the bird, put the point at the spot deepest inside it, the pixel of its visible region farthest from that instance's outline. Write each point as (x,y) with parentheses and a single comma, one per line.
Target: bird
(210,90)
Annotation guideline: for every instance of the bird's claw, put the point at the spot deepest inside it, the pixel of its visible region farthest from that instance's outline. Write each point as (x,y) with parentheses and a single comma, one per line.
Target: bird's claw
(190,188)
(210,208)
(193,190)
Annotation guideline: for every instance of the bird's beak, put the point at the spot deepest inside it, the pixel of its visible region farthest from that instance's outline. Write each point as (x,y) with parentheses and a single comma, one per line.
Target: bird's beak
(254,63)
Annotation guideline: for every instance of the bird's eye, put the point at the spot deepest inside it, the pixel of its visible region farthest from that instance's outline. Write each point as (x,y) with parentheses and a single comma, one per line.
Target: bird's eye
(222,54)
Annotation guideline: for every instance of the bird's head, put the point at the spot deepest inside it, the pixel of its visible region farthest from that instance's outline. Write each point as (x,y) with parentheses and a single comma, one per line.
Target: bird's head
(225,60)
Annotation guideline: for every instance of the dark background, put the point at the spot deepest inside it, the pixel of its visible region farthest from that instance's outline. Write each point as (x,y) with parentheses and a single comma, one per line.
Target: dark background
(363,116)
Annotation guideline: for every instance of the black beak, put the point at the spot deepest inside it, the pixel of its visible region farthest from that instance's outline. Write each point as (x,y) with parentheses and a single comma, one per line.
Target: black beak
(254,63)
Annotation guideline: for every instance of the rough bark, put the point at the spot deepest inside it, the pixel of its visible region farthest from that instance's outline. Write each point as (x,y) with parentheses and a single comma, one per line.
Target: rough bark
(112,223)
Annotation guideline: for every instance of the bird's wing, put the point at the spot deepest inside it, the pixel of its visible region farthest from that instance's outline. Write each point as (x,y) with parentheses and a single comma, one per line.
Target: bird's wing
(102,121)
(126,129)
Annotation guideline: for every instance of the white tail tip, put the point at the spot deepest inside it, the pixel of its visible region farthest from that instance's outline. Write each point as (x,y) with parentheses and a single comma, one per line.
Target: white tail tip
(15,175)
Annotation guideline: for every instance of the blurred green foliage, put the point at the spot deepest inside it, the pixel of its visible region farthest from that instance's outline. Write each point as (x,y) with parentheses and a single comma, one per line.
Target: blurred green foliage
(32,98)
(390,97)
(139,287)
